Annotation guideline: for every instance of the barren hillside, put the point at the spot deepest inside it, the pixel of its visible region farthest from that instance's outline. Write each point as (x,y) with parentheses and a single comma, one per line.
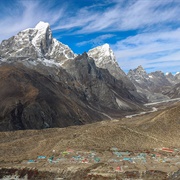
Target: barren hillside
(139,134)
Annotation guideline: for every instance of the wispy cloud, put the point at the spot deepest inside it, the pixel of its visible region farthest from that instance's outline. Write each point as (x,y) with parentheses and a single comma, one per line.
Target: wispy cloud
(96,41)
(161,49)
(123,16)
(107,17)
(25,14)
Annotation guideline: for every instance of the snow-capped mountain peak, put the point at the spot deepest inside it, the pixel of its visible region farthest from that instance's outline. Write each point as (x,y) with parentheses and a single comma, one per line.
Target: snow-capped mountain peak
(139,74)
(106,45)
(43,38)
(107,50)
(104,58)
(37,44)
(42,26)
(140,69)
(102,55)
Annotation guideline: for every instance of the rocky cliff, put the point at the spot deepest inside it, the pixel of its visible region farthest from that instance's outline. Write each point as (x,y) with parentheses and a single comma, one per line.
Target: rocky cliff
(150,85)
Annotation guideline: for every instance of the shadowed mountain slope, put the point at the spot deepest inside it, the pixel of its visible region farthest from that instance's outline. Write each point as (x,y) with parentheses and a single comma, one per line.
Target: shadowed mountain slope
(47,103)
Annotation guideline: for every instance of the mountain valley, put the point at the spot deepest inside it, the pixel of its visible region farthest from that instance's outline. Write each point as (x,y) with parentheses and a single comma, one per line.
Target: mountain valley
(73,89)
(145,147)
(69,116)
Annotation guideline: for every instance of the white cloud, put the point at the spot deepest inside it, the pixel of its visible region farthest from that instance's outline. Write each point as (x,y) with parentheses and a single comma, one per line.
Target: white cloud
(96,41)
(25,15)
(122,15)
(158,50)
(133,15)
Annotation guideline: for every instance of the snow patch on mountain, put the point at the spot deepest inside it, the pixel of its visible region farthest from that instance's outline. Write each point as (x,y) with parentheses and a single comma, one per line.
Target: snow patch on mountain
(151,85)
(59,50)
(43,38)
(103,55)
(104,58)
(36,43)
(42,26)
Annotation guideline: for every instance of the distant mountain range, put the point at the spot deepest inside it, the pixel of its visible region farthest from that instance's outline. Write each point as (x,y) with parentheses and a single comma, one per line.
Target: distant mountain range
(58,88)
(155,85)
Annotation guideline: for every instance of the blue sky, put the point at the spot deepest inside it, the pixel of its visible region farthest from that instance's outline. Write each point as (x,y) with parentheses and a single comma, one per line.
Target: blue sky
(140,32)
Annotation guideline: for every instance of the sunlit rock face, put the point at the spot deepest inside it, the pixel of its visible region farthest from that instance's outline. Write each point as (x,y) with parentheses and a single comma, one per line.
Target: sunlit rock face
(36,43)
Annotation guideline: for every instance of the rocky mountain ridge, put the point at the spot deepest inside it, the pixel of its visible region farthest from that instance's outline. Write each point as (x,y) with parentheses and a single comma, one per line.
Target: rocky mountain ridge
(65,89)
(154,85)
(36,44)
(59,88)
(104,58)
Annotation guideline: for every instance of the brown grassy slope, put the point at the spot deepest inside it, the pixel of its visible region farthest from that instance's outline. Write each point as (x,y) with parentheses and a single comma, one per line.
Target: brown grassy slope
(145,132)
(164,125)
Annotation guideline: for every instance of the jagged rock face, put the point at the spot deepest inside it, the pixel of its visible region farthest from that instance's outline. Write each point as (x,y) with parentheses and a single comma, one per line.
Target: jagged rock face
(140,77)
(170,78)
(177,77)
(99,85)
(173,92)
(159,79)
(150,85)
(42,39)
(152,81)
(173,79)
(104,58)
(60,52)
(36,43)
(19,46)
